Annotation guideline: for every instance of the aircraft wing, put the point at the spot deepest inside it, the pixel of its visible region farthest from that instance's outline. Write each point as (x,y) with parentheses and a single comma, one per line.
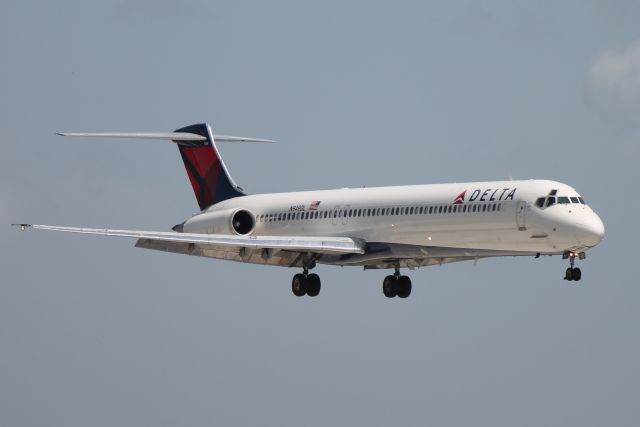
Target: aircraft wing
(271,250)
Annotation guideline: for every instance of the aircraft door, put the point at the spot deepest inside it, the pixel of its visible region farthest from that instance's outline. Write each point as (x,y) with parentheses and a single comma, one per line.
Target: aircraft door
(334,215)
(345,214)
(520,215)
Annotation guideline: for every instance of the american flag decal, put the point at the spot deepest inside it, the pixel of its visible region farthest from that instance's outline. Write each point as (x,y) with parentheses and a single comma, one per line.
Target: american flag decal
(314,206)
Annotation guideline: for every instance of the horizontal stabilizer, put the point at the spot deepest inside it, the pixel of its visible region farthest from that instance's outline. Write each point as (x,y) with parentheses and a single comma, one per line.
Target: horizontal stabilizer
(170,136)
(207,173)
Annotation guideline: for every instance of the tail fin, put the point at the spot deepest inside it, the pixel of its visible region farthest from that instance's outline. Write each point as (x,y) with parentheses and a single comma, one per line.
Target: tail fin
(207,173)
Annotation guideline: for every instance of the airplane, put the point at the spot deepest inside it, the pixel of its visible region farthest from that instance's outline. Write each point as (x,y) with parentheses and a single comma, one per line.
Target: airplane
(374,228)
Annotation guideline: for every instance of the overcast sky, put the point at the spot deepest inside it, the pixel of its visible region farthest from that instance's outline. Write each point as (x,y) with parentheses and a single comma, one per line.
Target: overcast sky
(96,332)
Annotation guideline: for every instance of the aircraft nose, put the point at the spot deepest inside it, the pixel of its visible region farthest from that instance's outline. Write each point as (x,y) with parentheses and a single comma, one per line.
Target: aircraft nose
(591,232)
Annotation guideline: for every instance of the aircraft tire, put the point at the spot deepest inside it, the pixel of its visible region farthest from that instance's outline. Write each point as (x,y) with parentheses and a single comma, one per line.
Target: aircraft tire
(299,285)
(403,286)
(389,286)
(576,274)
(313,285)
(568,275)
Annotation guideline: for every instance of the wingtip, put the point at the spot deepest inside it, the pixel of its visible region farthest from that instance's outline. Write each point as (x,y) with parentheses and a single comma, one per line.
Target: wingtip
(22,226)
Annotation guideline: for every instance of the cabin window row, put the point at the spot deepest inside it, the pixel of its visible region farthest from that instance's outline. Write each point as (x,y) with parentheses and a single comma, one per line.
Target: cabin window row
(374,212)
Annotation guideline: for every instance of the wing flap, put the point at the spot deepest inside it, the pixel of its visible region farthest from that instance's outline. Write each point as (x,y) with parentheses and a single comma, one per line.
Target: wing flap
(263,256)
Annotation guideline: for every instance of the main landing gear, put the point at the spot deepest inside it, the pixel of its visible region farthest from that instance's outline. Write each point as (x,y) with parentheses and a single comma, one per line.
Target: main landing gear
(305,284)
(396,285)
(573,273)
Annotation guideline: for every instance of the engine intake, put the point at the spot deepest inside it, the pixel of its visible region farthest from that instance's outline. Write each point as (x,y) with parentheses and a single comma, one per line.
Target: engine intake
(243,222)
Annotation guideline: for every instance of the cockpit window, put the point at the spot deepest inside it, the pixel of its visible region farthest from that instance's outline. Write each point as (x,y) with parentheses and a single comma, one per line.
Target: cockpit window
(545,202)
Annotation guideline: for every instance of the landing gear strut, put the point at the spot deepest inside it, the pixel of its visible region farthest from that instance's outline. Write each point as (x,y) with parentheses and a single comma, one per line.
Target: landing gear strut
(305,284)
(396,285)
(573,273)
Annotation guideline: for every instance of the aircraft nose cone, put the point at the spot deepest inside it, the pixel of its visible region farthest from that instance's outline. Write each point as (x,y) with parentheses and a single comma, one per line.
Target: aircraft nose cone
(592,232)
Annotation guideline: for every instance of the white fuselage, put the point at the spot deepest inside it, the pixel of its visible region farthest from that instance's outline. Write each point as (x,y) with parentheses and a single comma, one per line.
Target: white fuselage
(498,215)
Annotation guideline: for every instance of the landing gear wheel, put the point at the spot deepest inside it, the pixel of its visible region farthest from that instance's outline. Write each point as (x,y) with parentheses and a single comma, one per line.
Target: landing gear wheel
(389,286)
(299,285)
(576,274)
(573,273)
(568,275)
(403,286)
(313,285)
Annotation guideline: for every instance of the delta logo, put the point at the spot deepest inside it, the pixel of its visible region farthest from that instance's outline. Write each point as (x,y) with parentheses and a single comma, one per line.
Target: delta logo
(460,198)
(488,195)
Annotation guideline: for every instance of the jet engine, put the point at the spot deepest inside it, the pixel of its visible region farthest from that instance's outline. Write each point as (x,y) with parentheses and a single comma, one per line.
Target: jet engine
(228,221)
(242,222)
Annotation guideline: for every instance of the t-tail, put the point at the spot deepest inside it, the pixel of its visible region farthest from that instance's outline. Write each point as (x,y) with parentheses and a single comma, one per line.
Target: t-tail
(207,173)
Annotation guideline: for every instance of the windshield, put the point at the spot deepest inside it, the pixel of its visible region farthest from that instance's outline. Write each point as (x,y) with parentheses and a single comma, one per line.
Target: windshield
(553,199)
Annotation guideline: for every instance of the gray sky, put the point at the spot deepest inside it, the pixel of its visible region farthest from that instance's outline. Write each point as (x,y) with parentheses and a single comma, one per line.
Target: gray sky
(96,332)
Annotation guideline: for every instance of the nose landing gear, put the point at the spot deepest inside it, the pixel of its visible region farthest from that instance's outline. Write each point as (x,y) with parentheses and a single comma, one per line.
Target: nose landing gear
(573,273)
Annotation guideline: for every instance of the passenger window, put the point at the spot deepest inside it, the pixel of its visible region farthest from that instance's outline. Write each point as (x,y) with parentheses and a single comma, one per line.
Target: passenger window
(540,202)
(551,201)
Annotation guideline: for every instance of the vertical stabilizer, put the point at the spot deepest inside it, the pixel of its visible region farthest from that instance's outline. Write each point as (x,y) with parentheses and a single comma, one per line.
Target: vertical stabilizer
(207,173)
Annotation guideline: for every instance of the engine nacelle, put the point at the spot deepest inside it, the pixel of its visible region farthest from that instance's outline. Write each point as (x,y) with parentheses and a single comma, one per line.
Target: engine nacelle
(229,221)
(243,222)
